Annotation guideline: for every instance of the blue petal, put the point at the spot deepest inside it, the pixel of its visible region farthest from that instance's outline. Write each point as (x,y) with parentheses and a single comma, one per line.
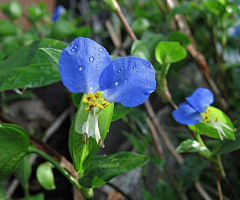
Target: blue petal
(200,99)
(186,114)
(81,65)
(58,12)
(133,81)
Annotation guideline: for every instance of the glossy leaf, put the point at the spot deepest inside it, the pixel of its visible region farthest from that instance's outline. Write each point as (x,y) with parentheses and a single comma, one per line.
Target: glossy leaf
(45,176)
(82,153)
(169,52)
(139,49)
(103,168)
(223,125)
(14,142)
(188,146)
(119,111)
(30,67)
(53,53)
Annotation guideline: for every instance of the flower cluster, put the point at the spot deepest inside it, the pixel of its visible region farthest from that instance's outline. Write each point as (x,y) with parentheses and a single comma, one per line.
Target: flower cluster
(86,67)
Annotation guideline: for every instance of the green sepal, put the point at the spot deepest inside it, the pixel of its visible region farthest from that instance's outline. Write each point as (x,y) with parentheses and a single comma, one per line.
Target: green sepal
(103,168)
(82,153)
(211,128)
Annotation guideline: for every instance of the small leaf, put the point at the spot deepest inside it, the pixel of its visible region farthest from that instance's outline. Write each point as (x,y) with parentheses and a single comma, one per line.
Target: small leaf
(169,52)
(45,176)
(215,7)
(221,129)
(180,37)
(103,168)
(139,49)
(30,67)
(82,153)
(14,142)
(189,145)
(53,53)
(119,111)
(140,25)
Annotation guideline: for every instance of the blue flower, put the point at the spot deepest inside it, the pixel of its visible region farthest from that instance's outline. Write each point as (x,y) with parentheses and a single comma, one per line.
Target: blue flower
(195,109)
(58,12)
(86,67)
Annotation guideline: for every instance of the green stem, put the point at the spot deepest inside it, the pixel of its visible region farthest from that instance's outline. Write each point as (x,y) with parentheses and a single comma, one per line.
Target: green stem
(56,164)
(205,152)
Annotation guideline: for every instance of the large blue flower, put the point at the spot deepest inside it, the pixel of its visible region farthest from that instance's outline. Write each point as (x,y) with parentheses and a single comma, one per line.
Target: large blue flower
(86,67)
(194,110)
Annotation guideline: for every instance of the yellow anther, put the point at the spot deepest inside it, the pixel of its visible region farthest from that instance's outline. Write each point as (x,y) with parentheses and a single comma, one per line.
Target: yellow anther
(85,99)
(216,119)
(94,100)
(100,106)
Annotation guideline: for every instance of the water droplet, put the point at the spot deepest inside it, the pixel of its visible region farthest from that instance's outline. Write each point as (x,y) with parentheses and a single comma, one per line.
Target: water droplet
(100,49)
(91,88)
(75,46)
(96,71)
(121,68)
(116,83)
(119,71)
(91,58)
(116,73)
(134,67)
(109,92)
(127,70)
(125,80)
(81,67)
(98,56)
(72,49)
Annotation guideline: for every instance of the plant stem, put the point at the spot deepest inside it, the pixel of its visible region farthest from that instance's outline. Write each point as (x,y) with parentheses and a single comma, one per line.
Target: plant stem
(56,164)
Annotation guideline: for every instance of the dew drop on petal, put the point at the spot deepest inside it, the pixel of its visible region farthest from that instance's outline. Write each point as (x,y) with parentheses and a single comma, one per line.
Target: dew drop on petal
(116,73)
(121,68)
(96,71)
(100,49)
(72,49)
(116,83)
(91,58)
(134,67)
(91,88)
(125,80)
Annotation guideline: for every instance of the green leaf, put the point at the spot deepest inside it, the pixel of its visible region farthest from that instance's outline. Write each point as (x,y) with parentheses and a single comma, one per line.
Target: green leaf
(221,129)
(53,53)
(103,168)
(30,67)
(151,39)
(61,29)
(14,142)
(119,111)
(82,153)
(169,52)
(215,7)
(39,196)
(188,146)
(178,36)
(12,9)
(45,176)
(24,172)
(140,25)
(7,28)
(139,49)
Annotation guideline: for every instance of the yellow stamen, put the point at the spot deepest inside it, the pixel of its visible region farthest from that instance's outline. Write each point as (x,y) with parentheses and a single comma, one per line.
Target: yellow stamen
(94,100)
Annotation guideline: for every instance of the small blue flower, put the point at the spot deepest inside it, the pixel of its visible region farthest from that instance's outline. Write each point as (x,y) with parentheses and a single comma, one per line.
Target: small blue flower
(194,110)
(58,12)
(86,67)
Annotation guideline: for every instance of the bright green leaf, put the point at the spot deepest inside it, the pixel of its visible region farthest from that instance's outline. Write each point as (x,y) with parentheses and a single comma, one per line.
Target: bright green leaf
(14,142)
(119,111)
(82,153)
(30,67)
(45,176)
(103,168)
(139,49)
(169,52)
(53,53)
